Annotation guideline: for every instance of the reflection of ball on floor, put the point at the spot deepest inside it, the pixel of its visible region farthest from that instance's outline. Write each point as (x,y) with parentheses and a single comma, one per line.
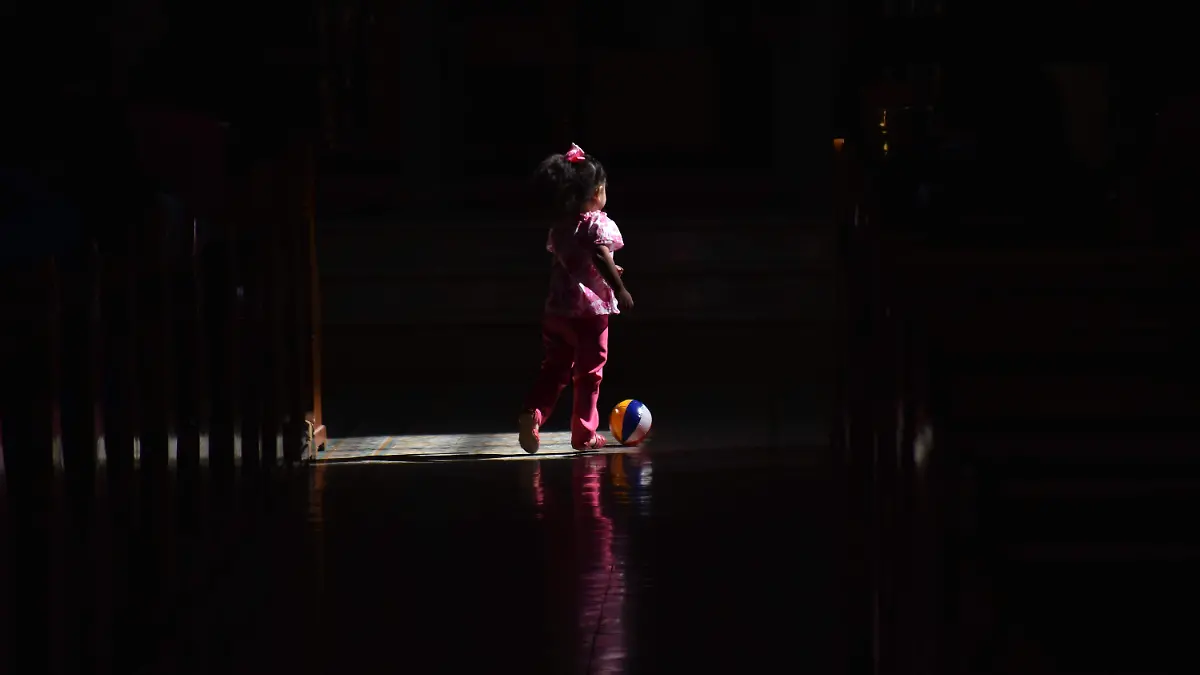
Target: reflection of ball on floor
(630,422)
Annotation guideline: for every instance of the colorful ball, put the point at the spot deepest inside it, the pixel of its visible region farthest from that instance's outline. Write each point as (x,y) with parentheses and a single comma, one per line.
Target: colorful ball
(630,422)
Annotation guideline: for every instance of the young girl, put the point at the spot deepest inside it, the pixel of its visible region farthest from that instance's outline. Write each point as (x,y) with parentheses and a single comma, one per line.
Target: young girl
(585,288)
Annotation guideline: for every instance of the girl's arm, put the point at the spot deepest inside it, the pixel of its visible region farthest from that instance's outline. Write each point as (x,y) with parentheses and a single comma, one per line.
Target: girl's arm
(602,258)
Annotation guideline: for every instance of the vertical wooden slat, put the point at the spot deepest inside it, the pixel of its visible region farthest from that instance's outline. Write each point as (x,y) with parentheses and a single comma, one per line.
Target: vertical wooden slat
(154,333)
(62,633)
(118,421)
(192,363)
(221,331)
(99,524)
(293,329)
(314,418)
(280,325)
(79,340)
(189,421)
(188,543)
(120,387)
(859,425)
(296,328)
(63,630)
(189,357)
(250,269)
(150,560)
(272,214)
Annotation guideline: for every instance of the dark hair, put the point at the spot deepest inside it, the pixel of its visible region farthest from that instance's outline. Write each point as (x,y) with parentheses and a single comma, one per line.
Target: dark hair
(564,187)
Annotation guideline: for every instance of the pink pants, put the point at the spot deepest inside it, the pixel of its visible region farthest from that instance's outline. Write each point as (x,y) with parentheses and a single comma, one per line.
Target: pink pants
(575,347)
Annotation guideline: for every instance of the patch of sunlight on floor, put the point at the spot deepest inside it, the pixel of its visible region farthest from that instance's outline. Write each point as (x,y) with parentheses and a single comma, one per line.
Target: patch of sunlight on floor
(555,444)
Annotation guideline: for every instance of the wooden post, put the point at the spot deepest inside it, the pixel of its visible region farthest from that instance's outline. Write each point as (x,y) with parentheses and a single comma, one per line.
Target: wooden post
(317,431)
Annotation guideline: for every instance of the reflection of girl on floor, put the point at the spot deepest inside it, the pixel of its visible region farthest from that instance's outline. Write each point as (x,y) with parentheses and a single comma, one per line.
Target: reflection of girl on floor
(630,475)
(599,549)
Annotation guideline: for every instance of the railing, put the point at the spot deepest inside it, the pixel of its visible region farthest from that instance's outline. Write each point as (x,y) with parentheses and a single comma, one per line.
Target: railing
(149,378)
(1061,417)
(1006,410)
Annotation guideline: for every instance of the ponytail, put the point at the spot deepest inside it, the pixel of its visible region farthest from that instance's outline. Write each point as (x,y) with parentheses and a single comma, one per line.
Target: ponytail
(565,182)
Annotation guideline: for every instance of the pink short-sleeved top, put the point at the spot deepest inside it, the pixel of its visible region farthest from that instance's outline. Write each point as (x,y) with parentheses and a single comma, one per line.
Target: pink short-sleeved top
(576,287)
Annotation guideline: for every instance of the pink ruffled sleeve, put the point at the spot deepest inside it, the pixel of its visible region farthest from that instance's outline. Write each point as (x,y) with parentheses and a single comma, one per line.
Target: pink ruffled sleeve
(603,232)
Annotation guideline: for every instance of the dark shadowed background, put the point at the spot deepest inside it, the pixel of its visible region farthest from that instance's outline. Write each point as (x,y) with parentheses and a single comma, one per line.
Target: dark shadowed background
(714,127)
(984,293)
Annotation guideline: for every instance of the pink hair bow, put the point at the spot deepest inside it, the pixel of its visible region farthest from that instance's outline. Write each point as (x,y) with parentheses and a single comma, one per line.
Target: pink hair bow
(575,154)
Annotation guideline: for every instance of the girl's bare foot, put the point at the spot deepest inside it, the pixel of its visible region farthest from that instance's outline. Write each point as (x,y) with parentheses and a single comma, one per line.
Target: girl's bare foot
(529,436)
(596,443)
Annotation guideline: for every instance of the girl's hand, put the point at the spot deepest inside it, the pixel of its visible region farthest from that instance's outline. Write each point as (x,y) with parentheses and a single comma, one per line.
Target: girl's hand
(620,270)
(625,299)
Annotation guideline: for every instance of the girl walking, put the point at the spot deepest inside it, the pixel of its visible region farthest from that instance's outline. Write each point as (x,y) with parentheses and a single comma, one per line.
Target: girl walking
(585,289)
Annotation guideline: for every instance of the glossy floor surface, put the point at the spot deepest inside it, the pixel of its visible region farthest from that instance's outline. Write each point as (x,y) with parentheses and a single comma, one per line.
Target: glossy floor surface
(621,562)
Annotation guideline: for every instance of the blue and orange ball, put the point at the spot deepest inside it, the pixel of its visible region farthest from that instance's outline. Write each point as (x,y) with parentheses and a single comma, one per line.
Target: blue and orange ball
(630,422)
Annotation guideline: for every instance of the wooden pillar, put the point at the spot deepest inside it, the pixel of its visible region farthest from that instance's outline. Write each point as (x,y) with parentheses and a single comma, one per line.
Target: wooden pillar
(310,312)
